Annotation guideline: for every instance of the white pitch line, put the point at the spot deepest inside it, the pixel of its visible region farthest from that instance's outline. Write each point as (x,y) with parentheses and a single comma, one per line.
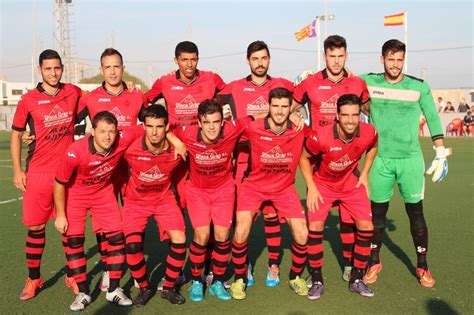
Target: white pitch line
(10,200)
(5,160)
(7,166)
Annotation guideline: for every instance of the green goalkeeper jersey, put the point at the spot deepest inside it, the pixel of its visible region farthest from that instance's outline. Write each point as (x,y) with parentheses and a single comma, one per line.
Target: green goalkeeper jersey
(395,111)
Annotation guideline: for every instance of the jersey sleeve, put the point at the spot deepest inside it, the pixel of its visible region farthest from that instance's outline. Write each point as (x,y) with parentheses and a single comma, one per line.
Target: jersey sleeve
(82,110)
(155,92)
(20,118)
(364,96)
(312,144)
(218,82)
(299,92)
(288,85)
(67,166)
(129,134)
(374,136)
(242,123)
(428,108)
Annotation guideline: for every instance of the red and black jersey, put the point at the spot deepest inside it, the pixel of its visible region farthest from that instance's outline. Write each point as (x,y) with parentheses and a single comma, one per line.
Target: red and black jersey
(126,106)
(150,172)
(211,164)
(182,99)
(87,172)
(51,119)
(339,168)
(322,94)
(274,158)
(247,98)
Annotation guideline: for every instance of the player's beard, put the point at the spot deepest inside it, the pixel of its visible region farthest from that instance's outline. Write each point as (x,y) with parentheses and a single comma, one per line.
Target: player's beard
(333,72)
(260,75)
(389,74)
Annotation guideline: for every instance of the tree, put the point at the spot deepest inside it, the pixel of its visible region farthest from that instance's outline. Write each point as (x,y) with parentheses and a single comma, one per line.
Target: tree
(98,79)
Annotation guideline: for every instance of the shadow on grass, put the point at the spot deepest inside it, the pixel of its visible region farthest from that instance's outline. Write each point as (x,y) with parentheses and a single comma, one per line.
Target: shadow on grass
(436,306)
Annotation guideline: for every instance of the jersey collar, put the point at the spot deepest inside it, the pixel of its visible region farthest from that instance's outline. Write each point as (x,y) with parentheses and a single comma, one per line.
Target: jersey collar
(40,88)
(336,134)
(249,79)
(325,75)
(119,93)
(145,147)
(178,77)
(289,125)
(92,149)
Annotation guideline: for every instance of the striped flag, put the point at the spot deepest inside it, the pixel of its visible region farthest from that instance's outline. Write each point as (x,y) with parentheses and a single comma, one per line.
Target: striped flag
(307,31)
(394,20)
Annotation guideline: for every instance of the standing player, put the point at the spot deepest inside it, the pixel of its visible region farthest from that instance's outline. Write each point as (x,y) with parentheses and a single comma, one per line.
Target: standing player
(210,192)
(275,152)
(113,96)
(338,180)
(50,111)
(321,91)
(152,162)
(183,91)
(249,96)
(397,100)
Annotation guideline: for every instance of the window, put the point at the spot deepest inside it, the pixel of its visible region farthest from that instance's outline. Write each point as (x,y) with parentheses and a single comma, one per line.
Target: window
(17,92)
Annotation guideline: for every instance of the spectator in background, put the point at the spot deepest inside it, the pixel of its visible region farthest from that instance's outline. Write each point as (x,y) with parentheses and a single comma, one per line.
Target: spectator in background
(463,107)
(449,108)
(467,123)
(440,104)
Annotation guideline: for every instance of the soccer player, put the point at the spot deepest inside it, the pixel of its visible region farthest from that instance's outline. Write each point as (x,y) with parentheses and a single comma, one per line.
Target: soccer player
(50,112)
(396,102)
(338,180)
(321,91)
(84,174)
(249,96)
(210,192)
(126,105)
(275,152)
(152,162)
(183,91)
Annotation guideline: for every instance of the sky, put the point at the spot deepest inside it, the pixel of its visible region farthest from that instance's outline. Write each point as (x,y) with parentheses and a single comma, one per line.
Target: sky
(440,35)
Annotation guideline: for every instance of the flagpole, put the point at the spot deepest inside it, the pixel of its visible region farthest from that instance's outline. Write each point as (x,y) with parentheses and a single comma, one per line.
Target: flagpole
(318,36)
(406,43)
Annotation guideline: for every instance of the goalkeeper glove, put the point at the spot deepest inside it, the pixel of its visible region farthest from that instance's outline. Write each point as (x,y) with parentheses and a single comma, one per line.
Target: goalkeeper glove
(439,166)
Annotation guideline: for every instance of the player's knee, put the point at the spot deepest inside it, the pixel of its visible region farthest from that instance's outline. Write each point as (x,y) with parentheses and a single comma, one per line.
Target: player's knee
(364,225)
(177,237)
(201,237)
(301,235)
(221,235)
(36,227)
(133,248)
(379,213)
(115,238)
(415,214)
(317,226)
(75,242)
(241,234)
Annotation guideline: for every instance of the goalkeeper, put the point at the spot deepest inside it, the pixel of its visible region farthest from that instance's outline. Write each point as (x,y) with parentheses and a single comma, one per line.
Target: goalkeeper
(395,106)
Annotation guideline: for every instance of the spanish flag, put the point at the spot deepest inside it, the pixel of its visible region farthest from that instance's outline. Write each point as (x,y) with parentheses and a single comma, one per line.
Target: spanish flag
(306,32)
(394,20)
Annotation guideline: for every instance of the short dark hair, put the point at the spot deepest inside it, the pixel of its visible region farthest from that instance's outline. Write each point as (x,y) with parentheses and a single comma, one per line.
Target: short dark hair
(348,99)
(209,107)
(334,41)
(155,111)
(49,54)
(111,52)
(186,47)
(257,46)
(280,93)
(106,116)
(393,46)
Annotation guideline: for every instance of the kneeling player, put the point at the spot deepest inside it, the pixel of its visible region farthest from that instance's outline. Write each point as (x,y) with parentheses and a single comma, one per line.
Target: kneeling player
(276,147)
(151,160)
(338,180)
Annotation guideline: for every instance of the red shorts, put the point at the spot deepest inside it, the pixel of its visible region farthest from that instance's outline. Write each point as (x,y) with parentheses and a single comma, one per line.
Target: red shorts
(353,204)
(179,178)
(240,169)
(287,202)
(167,214)
(214,205)
(105,213)
(38,202)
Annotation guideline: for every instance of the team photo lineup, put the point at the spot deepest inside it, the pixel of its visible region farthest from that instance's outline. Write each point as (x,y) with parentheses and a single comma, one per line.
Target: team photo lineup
(223,154)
